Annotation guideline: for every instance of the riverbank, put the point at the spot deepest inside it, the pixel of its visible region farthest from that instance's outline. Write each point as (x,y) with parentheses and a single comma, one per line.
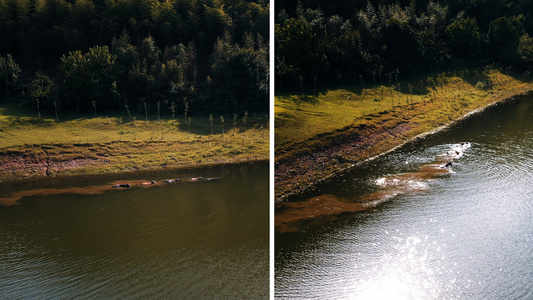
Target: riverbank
(32,148)
(321,136)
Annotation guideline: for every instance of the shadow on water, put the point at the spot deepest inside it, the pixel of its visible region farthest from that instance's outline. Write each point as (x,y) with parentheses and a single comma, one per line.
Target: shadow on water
(291,215)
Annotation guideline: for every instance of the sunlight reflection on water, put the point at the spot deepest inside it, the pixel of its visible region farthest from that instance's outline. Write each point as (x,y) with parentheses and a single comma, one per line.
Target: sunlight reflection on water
(403,274)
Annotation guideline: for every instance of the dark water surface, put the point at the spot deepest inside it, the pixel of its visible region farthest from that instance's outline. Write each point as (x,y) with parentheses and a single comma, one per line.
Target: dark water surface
(465,235)
(201,240)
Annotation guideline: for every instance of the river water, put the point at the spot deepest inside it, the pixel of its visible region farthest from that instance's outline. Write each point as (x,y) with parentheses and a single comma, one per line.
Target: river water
(79,238)
(464,234)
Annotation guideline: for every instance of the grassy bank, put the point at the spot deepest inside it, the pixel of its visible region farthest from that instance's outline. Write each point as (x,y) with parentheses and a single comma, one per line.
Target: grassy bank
(318,136)
(30,147)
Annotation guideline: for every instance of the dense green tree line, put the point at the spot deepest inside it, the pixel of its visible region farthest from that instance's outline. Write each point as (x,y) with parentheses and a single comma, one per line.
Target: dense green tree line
(104,55)
(336,42)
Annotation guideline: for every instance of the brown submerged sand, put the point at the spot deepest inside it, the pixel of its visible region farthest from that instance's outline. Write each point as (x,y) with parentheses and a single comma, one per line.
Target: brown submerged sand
(290,215)
(13,199)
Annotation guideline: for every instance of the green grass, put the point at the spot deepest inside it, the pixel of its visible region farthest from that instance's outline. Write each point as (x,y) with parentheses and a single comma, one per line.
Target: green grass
(110,144)
(19,129)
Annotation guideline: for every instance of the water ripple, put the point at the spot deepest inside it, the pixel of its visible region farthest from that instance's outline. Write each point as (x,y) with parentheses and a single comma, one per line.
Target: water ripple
(467,235)
(196,241)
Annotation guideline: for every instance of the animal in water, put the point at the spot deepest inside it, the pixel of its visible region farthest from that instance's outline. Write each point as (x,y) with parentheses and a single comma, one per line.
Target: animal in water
(171,180)
(193,179)
(462,146)
(456,153)
(458,150)
(213,179)
(149,183)
(122,185)
(466,145)
(447,165)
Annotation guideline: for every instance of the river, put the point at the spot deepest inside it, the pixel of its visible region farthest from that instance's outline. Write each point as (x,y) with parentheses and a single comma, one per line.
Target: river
(464,234)
(79,238)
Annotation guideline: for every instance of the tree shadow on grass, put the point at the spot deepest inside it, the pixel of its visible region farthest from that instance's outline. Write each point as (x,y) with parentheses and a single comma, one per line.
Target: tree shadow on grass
(202,126)
(475,77)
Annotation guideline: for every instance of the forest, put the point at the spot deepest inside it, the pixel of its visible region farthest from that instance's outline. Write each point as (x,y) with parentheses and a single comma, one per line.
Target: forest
(116,56)
(335,42)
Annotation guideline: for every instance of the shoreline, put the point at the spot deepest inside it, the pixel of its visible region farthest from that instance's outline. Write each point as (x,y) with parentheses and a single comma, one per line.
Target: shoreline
(33,148)
(34,162)
(302,174)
